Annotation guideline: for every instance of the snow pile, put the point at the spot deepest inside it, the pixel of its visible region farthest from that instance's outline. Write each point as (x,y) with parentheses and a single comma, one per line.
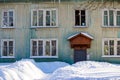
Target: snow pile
(88,70)
(21,70)
(50,67)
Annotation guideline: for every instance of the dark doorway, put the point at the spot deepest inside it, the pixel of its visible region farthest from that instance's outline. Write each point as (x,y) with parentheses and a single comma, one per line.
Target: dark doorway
(80,55)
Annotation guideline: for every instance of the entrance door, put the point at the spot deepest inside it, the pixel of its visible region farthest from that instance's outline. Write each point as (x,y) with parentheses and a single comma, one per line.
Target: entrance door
(80,55)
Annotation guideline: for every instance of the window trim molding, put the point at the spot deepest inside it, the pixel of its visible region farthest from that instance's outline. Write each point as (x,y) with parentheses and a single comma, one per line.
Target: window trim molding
(43,48)
(114,14)
(115,49)
(44,16)
(8,27)
(86,19)
(2,40)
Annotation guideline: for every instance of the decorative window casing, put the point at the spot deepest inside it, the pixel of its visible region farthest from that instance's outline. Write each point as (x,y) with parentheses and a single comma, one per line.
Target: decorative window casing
(111,47)
(8,19)
(44,48)
(7,48)
(80,18)
(111,18)
(44,18)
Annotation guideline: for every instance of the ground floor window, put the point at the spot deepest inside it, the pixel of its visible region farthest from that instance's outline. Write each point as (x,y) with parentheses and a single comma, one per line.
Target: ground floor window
(111,47)
(44,48)
(7,48)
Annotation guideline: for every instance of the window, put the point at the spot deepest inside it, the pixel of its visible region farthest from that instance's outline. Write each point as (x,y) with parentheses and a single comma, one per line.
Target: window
(80,18)
(111,18)
(44,18)
(43,48)
(111,47)
(7,49)
(8,19)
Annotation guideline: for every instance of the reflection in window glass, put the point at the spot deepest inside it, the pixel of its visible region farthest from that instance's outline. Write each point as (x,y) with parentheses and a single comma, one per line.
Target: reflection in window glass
(40,48)
(106,48)
(118,47)
(47,48)
(40,17)
(34,18)
(34,48)
(53,48)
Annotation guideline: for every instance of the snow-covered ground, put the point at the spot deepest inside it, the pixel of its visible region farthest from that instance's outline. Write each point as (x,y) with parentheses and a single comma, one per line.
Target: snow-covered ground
(28,69)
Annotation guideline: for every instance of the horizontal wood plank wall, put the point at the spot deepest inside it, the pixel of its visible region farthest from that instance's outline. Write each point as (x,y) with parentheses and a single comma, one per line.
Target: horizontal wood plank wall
(22,33)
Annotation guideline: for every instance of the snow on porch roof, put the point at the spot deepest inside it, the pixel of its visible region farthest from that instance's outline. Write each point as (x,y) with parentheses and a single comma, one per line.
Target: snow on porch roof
(83,33)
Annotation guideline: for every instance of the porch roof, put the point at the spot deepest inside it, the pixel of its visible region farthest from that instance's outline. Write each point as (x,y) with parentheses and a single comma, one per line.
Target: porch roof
(83,33)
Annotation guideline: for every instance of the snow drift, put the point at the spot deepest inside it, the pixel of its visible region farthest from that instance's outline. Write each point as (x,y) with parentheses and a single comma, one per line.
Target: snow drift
(21,70)
(50,67)
(88,70)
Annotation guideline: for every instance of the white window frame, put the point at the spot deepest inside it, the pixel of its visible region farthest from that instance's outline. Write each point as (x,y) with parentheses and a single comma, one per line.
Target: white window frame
(2,26)
(44,40)
(86,19)
(44,17)
(115,47)
(2,41)
(114,14)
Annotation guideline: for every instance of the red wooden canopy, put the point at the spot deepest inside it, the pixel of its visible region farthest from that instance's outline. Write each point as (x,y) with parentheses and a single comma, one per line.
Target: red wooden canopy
(80,40)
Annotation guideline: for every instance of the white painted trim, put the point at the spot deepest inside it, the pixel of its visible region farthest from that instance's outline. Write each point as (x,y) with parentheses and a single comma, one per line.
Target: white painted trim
(111,56)
(7,10)
(115,47)
(44,18)
(86,19)
(83,33)
(2,40)
(7,57)
(44,43)
(114,14)
(43,56)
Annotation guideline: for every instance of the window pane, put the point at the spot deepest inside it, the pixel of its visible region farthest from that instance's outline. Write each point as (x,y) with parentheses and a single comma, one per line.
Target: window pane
(47,48)
(118,47)
(10,21)
(40,17)
(53,20)
(111,43)
(77,17)
(40,48)
(34,48)
(5,21)
(53,47)
(111,16)
(10,48)
(105,18)
(34,23)
(11,13)
(106,48)
(83,20)
(118,18)
(5,48)
(47,18)
(5,14)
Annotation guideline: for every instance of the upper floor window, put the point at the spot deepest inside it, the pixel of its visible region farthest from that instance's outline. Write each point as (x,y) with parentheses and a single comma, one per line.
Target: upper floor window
(111,18)
(7,48)
(80,18)
(44,18)
(111,47)
(44,48)
(8,19)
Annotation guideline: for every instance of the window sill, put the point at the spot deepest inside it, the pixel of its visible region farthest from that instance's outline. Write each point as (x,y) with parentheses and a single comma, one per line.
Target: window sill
(43,56)
(8,57)
(80,26)
(44,26)
(8,27)
(114,56)
(111,26)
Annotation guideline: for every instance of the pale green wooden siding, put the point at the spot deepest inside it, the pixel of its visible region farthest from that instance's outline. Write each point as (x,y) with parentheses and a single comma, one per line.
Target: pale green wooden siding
(22,33)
